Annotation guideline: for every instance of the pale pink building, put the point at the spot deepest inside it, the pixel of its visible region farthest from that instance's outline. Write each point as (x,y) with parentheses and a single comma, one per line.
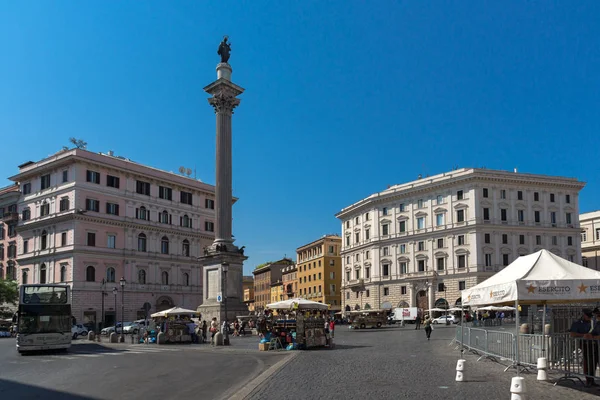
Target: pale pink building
(9,196)
(88,219)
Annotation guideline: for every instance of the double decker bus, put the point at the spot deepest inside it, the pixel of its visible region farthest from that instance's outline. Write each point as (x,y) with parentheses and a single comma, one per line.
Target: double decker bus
(43,318)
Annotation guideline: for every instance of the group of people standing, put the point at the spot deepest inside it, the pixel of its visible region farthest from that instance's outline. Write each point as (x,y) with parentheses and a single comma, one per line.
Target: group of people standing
(588,329)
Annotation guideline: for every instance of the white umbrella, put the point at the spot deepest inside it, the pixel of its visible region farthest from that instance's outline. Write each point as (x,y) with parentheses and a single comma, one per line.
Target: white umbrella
(173,311)
(455,309)
(437,310)
(301,304)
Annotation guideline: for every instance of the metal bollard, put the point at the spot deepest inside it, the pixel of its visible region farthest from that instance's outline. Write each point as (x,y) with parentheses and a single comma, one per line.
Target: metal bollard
(132,339)
(517,388)
(542,366)
(460,370)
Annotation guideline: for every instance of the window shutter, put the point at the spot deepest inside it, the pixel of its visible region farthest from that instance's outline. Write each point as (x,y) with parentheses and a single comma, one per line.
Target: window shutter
(170,219)
(181,221)
(190,222)
(116,209)
(107,208)
(137,213)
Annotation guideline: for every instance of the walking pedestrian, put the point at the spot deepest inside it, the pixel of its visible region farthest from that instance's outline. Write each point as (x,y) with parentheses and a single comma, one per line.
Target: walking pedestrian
(427,326)
(418,322)
(214,328)
(585,329)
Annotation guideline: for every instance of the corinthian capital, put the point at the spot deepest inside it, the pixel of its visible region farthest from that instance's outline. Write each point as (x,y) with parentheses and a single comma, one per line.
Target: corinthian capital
(224,102)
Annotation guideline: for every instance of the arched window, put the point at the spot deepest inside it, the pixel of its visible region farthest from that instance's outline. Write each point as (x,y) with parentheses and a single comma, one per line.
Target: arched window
(186,248)
(164,217)
(142,277)
(44,240)
(110,274)
(142,213)
(165,278)
(63,273)
(43,273)
(186,221)
(186,279)
(164,245)
(24,278)
(141,242)
(90,274)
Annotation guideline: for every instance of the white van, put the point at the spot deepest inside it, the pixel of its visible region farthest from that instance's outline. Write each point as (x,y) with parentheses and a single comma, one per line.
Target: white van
(408,315)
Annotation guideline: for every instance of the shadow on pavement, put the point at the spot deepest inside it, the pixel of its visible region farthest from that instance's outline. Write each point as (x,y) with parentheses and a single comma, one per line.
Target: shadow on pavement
(16,390)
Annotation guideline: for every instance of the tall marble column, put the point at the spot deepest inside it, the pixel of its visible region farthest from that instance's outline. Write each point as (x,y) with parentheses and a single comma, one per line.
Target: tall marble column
(222,262)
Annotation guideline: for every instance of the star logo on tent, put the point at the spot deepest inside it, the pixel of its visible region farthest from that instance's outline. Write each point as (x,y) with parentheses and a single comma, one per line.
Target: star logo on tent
(469,298)
(491,294)
(582,288)
(531,288)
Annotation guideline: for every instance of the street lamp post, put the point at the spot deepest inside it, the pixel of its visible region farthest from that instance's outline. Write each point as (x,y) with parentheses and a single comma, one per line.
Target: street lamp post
(224,268)
(122,283)
(115,291)
(102,316)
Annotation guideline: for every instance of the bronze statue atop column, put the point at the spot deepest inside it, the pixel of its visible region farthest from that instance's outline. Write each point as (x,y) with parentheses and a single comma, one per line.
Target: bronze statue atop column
(224,50)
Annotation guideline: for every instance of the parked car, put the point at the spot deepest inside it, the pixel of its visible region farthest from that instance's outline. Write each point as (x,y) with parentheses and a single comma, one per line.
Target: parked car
(4,332)
(108,330)
(134,327)
(78,330)
(444,318)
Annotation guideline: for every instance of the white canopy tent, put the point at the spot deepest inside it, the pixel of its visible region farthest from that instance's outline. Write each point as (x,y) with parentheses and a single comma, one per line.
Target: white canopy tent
(173,311)
(537,278)
(300,304)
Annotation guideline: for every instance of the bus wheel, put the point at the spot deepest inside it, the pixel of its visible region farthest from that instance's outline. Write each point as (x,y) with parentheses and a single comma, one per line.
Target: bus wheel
(362,326)
(379,324)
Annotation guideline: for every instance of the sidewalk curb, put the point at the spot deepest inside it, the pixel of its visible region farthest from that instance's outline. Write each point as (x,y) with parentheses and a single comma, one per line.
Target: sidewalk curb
(247,389)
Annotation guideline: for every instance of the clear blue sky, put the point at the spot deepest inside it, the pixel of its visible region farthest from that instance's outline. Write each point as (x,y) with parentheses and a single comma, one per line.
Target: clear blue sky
(342,98)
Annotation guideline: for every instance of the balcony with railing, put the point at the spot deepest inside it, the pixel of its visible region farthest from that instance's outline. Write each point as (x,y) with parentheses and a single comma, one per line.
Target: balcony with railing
(11,216)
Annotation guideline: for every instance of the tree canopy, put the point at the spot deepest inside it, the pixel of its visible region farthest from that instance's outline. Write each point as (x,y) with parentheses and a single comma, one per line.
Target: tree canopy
(9,294)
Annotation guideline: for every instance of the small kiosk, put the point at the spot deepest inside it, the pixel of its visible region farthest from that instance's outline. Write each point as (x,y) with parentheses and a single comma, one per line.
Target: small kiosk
(174,324)
(299,323)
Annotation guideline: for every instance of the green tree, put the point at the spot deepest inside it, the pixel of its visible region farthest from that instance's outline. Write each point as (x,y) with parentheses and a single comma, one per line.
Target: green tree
(9,294)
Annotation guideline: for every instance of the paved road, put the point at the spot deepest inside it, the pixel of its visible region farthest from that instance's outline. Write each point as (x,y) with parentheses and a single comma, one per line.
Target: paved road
(94,371)
(397,363)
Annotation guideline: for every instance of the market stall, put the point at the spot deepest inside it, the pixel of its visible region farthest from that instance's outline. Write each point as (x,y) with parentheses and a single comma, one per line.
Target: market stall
(299,323)
(174,323)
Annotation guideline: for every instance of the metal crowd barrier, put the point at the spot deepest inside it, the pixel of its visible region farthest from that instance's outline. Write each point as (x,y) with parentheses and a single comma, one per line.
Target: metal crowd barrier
(576,359)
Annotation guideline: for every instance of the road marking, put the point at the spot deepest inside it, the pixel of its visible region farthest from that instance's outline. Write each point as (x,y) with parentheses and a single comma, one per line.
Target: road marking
(89,355)
(443,387)
(113,354)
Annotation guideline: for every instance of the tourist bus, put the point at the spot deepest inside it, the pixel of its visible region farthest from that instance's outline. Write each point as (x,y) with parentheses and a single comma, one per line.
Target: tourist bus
(362,319)
(43,318)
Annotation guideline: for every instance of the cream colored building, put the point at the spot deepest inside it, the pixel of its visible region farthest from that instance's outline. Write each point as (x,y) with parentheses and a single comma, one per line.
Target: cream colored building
(590,239)
(422,242)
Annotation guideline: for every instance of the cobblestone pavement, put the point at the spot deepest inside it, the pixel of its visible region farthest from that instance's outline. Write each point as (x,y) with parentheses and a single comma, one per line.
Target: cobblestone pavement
(396,363)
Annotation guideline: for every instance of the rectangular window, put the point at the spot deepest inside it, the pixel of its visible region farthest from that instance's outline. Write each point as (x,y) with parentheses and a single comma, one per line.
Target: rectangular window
(165,193)
(367,234)
(45,209)
(462,285)
(402,207)
(366,216)
(461,240)
(367,293)
(536,197)
(505,261)
(403,268)
(504,238)
(112,208)
(386,251)
(209,226)
(503,194)
(485,192)
(597,233)
(63,239)
(521,215)
(209,203)
(45,182)
(551,197)
(113,181)
(521,239)
(486,214)
(569,240)
(65,176)
(440,263)
(440,243)
(421,265)
(402,226)
(142,187)
(348,240)
(503,214)
(520,195)
(186,197)
(385,230)
(92,177)
(357,237)
(459,195)
(92,205)
(488,260)
(64,204)
(538,240)
(402,248)
(460,216)
(421,246)
(568,218)
(25,246)
(402,289)
(584,236)
(420,203)
(441,287)
(386,291)
(568,198)
(537,217)
(26,188)
(332,275)
(462,261)
(553,217)
(367,255)
(91,239)
(487,238)
(384,211)
(111,241)
(386,269)
(421,223)
(439,219)
(440,199)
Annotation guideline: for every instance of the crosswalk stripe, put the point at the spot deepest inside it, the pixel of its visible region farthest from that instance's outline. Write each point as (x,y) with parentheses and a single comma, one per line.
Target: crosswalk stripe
(89,355)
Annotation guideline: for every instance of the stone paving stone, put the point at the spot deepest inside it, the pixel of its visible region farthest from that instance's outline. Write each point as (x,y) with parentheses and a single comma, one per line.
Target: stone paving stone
(397,363)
